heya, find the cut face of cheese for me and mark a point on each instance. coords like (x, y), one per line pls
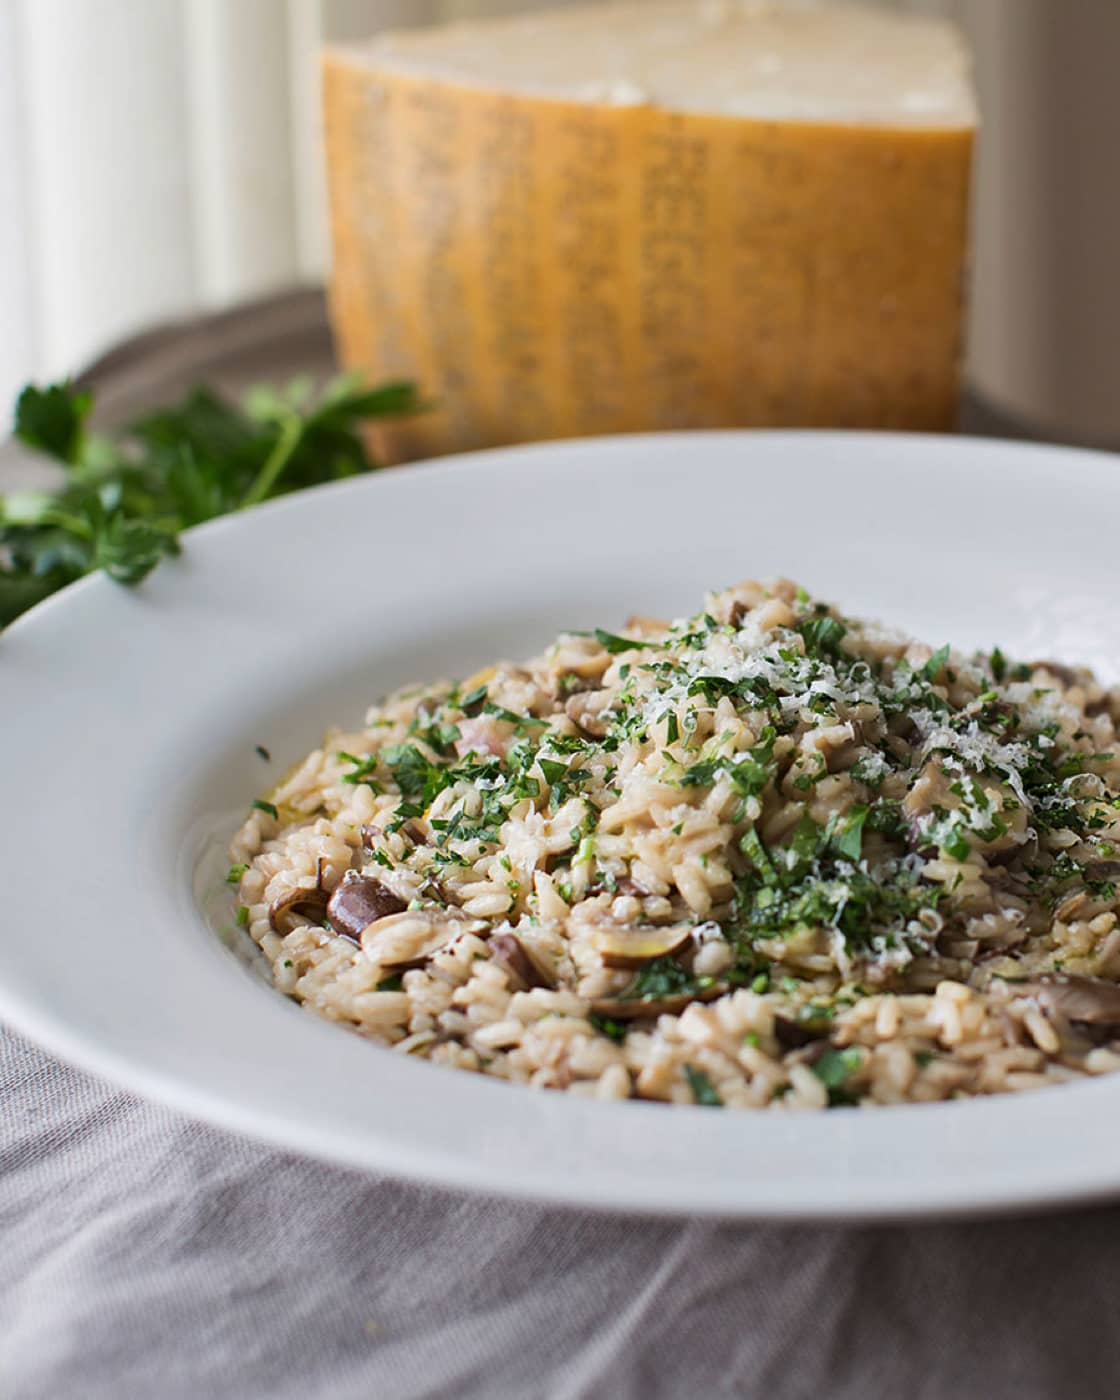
(737, 58)
(647, 216)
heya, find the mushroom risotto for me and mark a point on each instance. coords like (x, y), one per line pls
(768, 856)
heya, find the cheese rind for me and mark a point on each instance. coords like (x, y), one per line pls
(548, 266)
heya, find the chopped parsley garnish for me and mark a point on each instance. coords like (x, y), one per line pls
(473, 700)
(703, 1090)
(268, 808)
(849, 841)
(233, 877)
(663, 977)
(936, 664)
(822, 635)
(833, 1069)
(419, 779)
(613, 1030)
(613, 643)
(362, 768)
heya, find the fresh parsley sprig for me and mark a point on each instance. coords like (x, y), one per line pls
(122, 500)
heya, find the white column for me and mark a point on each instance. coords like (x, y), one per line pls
(19, 341)
(240, 147)
(105, 126)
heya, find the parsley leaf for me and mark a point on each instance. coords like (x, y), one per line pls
(703, 1090)
(613, 643)
(662, 977)
(419, 779)
(52, 420)
(936, 664)
(822, 635)
(833, 1068)
(849, 842)
(122, 500)
(613, 1030)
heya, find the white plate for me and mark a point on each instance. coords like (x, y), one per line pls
(129, 719)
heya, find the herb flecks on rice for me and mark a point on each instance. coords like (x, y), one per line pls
(766, 856)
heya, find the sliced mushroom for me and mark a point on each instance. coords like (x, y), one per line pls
(634, 1008)
(840, 757)
(358, 902)
(583, 658)
(408, 939)
(792, 1035)
(629, 886)
(310, 903)
(634, 947)
(930, 789)
(646, 626)
(811, 1051)
(507, 950)
(415, 832)
(1100, 872)
(1071, 906)
(1065, 675)
(568, 683)
(1089, 999)
(371, 835)
(1024, 853)
(586, 710)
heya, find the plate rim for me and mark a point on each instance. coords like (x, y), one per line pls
(78, 1049)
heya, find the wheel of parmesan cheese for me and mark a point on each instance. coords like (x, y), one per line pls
(649, 216)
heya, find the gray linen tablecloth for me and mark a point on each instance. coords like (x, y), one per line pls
(145, 1255)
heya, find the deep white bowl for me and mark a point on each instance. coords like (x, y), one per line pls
(128, 725)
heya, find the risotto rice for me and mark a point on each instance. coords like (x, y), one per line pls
(768, 856)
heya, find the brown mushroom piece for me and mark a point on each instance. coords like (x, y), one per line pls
(811, 1051)
(792, 1035)
(1066, 676)
(310, 903)
(1102, 872)
(411, 937)
(646, 626)
(629, 886)
(358, 902)
(585, 710)
(635, 1008)
(842, 755)
(930, 789)
(415, 832)
(508, 952)
(1090, 1000)
(634, 947)
(1024, 854)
